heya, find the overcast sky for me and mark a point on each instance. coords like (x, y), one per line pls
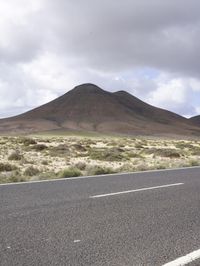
(149, 48)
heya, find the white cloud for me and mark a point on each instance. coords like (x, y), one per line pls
(175, 94)
(168, 92)
(148, 48)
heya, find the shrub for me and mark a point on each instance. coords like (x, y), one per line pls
(127, 167)
(142, 167)
(70, 172)
(45, 162)
(16, 178)
(80, 147)
(45, 176)
(27, 141)
(99, 170)
(39, 147)
(59, 150)
(45, 140)
(15, 156)
(184, 145)
(134, 155)
(196, 151)
(139, 146)
(31, 171)
(6, 167)
(170, 153)
(80, 165)
(161, 166)
(113, 154)
(194, 163)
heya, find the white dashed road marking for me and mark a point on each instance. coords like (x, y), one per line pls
(185, 259)
(77, 241)
(135, 190)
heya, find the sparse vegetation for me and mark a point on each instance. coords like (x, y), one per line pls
(99, 170)
(171, 153)
(194, 162)
(195, 151)
(111, 155)
(39, 147)
(6, 167)
(47, 157)
(31, 171)
(80, 165)
(15, 156)
(79, 147)
(59, 150)
(27, 141)
(45, 162)
(70, 172)
(16, 178)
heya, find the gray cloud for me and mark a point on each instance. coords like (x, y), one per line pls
(114, 36)
(47, 47)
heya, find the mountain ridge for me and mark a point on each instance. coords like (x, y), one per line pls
(88, 107)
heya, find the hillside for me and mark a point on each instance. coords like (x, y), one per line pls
(87, 107)
(195, 120)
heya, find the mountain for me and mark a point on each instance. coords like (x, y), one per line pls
(87, 107)
(195, 120)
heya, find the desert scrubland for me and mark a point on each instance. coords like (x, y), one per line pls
(29, 158)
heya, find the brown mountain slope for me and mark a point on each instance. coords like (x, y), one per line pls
(87, 107)
(195, 120)
(148, 111)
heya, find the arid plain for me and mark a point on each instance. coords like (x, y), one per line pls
(38, 157)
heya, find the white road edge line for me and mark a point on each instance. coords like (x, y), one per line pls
(185, 259)
(135, 190)
(97, 176)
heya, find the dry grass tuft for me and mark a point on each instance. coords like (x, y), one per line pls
(6, 167)
(15, 156)
(31, 171)
(70, 172)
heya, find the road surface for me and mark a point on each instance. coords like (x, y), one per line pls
(149, 218)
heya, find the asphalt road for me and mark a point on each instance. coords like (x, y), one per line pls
(72, 222)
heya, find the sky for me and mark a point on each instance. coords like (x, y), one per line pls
(148, 48)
